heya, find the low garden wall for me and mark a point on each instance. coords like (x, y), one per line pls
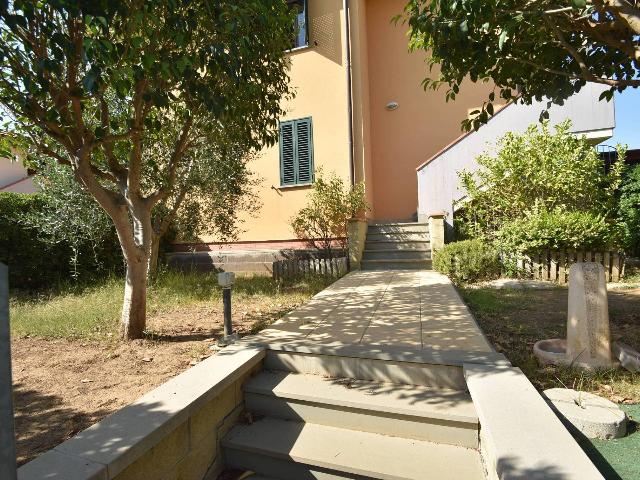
(171, 432)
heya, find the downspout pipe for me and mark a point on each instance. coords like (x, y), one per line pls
(347, 36)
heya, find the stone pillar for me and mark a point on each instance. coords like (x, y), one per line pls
(356, 236)
(588, 335)
(436, 230)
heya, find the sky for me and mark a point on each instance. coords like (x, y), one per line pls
(627, 105)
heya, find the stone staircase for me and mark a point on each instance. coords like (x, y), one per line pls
(397, 245)
(302, 424)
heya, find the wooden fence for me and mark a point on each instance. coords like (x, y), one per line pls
(303, 267)
(554, 264)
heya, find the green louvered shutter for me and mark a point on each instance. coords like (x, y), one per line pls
(296, 152)
(287, 154)
(304, 151)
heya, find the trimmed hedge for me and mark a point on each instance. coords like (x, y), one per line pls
(468, 261)
(34, 262)
(557, 230)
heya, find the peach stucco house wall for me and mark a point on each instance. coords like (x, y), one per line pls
(15, 178)
(387, 145)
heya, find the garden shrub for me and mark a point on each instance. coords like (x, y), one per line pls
(558, 230)
(323, 221)
(629, 210)
(35, 259)
(468, 261)
(538, 170)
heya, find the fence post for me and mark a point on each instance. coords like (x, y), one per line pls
(7, 433)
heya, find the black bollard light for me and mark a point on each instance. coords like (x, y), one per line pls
(226, 280)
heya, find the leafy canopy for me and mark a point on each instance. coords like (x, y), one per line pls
(530, 50)
(539, 170)
(155, 61)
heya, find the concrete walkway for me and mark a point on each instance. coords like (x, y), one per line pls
(413, 308)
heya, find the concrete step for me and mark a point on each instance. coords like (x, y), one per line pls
(398, 236)
(298, 451)
(415, 255)
(372, 364)
(396, 264)
(419, 245)
(398, 228)
(408, 411)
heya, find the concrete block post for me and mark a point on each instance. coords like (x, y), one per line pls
(7, 434)
(356, 236)
(436, 230)
(588, 333)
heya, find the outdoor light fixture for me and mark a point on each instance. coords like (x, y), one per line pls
(226, 280)
(391, 106)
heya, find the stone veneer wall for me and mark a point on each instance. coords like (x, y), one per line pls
(173, 432)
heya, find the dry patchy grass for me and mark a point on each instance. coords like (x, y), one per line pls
(514, 320)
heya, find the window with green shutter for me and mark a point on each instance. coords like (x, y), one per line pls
(296, 152)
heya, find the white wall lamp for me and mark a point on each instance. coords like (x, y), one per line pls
(391, 106)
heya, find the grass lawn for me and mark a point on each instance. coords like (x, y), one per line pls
(70, 369)
(514, 320)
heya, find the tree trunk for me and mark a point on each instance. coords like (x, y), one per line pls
(134, 307)
(153, 258)
(133, 225)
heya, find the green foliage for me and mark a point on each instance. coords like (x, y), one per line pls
(69, 216)
(468, 261)
(220, 185)
(331, 204)
(530, 50)
(160, 61)
(629, 210)
(535, 172)
(38, 259)
(556, 230)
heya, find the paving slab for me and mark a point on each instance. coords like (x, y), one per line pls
(400, 308)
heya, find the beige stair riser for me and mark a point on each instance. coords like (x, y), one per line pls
(398, 237)
(442, 376)
(396, 265)
(464, 434)
(411, 227)
(417, 245)
(281, 468)
(416, 255)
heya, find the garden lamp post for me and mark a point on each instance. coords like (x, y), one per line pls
(226, 280)
(7, 434)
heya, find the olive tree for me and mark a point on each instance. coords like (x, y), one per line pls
(529, 50)
(123, 92)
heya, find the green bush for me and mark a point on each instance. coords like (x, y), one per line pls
(540, 170)
(323, 221)
(468, 261)
(34, 260)
(557, 230)
(629, 210)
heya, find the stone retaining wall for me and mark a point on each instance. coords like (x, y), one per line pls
(173, 432)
